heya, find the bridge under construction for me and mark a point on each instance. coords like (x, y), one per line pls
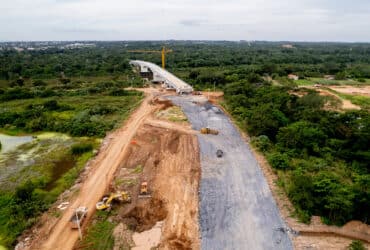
(160, 75)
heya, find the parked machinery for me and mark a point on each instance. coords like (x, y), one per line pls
(78, 217)
(106, 202)
(208, 131)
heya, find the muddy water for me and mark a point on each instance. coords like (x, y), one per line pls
(11, 142)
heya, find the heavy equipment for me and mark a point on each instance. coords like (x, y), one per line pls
(106, 202)
(208, 131)
(144, 188)
(163, 52)
(77, 217)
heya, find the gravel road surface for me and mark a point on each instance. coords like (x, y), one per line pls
(237, 210)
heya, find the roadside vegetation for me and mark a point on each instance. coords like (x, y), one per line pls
(321, 157)
(81, 110)
(100, 234)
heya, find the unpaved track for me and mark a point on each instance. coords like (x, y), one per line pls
(93, 188)
(237, 210)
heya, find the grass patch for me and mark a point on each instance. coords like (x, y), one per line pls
(81, 148)
(137, 170)
(126, 182)
(362, 101)
(324, 81)
(173, 114)
(30, 191)
(100, 234)
(304, 82)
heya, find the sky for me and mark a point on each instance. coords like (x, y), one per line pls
(275, 20)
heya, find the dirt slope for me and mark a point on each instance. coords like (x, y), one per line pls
(58, 235)
(169, 157)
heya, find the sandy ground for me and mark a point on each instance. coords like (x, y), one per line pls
(345, 105)
(56, 233)
(352, 90)
(148, 239)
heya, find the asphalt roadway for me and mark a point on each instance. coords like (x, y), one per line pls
(237, 209)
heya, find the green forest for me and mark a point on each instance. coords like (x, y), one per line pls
(67, 116)
(320, 155)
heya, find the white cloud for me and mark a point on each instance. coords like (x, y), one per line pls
(310, 20)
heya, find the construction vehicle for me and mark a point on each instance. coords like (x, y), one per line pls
(163, 52)
(78, 217)
(106, 202)
(144, 190)
(208, 131)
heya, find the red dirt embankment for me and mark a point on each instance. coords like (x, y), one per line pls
(170, 164)
(164, 154)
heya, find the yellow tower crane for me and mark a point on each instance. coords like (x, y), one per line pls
(164, 51)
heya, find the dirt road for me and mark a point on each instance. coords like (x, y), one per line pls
(352, 90)
(237, 210)
(60, 235)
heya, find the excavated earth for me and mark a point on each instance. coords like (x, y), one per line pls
(169, 161)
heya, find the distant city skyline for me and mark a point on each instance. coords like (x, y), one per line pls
(270, 20)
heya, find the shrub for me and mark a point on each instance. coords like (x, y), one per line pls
(361, 80)
(51, 105)
(262, 142)
(16, 93)
(81, 148)
(38, 83)
(278, 160)
(118, 92)
(356, 245)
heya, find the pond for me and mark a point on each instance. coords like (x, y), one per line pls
(11, 142)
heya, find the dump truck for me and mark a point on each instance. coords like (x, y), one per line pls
(208, 131)
(107, 200)
(78, 217)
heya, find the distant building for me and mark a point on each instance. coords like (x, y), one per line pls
(293, 77)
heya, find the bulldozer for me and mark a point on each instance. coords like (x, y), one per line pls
(208, 131)
(106, 202)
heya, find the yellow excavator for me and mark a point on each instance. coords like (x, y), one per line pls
(106, 202)
(208, 131)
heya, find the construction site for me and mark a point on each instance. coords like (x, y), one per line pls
(179, 174)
